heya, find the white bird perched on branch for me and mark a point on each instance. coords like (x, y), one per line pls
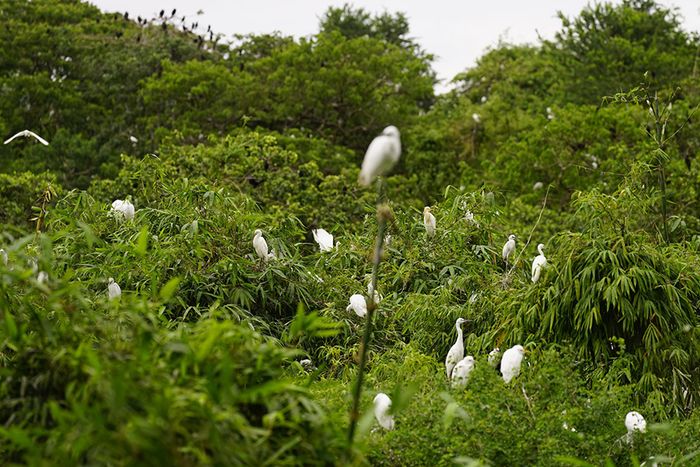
(28, 134)
(460, 374)
(323, 238)
(494, 357)
(123, 208)
(456, 352)
(382, 405)
(635, 422)
(538, 263)
(383, 152)
(508, 248)
(113, 289)
(358, 304)
(429, 221)
(260, 246)
(511, 361)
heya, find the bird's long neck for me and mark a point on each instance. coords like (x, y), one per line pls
(459, 334)
(539, 248)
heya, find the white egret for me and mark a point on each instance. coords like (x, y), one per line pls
(260, 246)
(323, 238)
(429, 221)
(3, 257)
(28, 134)
(508, 248)
(550, 114)
(113, 289)
(42, 277)
(460, 374)
(477, 118)
(537, 186)
(511, 361)
(456, 352)
(373, 293)
(484, 99)
(133, 139)
(307, 364)
(635, 422)
(382, 405)
(123, 208)
(383, 152)
(538, 263)
(494, 357)
(358, 304)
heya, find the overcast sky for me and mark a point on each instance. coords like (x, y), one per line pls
(456, 32)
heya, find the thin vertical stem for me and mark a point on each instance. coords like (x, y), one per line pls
(382, 218)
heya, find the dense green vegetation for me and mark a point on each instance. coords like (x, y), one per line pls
(586, 143)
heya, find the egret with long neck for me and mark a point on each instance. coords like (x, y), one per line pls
(538, 263)
(456, 352)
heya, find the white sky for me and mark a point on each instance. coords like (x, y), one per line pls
(456, 32)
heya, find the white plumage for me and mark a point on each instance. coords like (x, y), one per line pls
(476, 117)
(358, 304)
(382, 405)
(42, 277)
(3, 257)
(511, 361)
(28, 134)
(373, 293)
(113, 289)
(383, 152)
(494, 357)
(508, 248)
(123, 208)
(635, 422)
(460, 374)
(429, 221)
(456, 352)
(538, 263)
(323, 238)
(260, 246)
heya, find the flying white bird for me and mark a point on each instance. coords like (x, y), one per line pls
(382, 405)
(28, 134)
(494, 357)
(383, 152)
(460, 374)
(260, 246)
(42, 277)
(123, 208)
(510, 363)
(429, 221)
(635, 422)
(323, 238)
(113, 289)
(456, 352)
(538, 263)
(3, 257)
(358, 304)
(508, 248)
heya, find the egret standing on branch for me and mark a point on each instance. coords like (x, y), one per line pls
(429, 222)
(456, 352)
(508, 248)
(460, 374)
(358, 304)
(382, 405)
(511, 361)
(113, 289)
(260, 246)
(323, 238)
(538, 263)
(28, 134)
(383, 152)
